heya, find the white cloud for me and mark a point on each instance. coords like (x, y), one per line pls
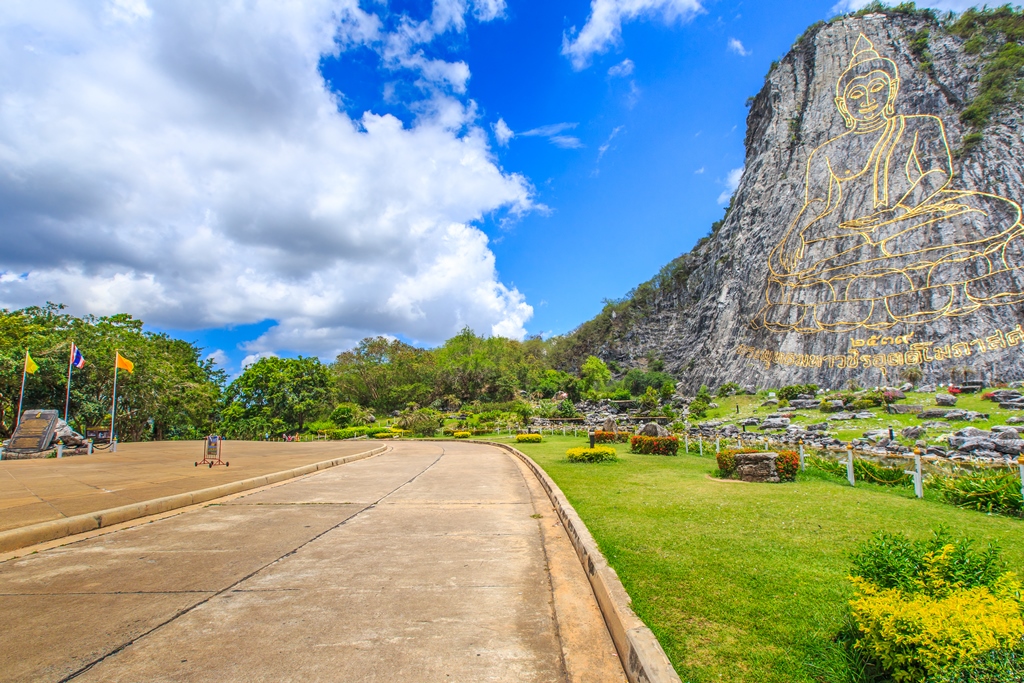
(699, 171)
(553, 132)
(622, 69)
(736, 46)
(844, 6)
(732, 181)
(184, 160)
(502, 133)
(608, 143)
(604, 25)
(548, 130)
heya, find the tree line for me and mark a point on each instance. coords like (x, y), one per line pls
(176, 393)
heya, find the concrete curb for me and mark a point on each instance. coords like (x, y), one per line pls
(13, 539)
(642, 656)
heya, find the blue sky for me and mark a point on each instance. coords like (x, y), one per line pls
(287, 178)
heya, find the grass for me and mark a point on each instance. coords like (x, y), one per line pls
(744, 582)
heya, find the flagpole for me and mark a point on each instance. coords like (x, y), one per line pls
(21, 398)
(67, 395)
(113, 403)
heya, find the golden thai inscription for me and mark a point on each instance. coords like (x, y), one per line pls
(884, 237)
(919, 353)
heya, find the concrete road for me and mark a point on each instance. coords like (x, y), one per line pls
(433, 562)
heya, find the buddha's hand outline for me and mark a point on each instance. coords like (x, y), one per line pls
(875, 220)
(791, 251)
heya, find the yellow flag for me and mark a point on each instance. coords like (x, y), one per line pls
(30, 365)
(123, 363)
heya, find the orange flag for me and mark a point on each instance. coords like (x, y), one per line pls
(123, 363)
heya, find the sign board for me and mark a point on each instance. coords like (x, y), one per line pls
(98, 434)
(35, 431)
(212, 447)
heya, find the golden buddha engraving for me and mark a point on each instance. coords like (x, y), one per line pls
(882, 237)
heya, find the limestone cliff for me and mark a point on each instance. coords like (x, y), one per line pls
(872, 228)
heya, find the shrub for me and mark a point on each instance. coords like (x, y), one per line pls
(387, 434)
(654, 445)
(566, 409)
(528, 438)
(351, 432)
(650, 400)
(726, 462)
(862, 404)
(610, 437)
(595, 454)
(422, 422)
(917, 636)
(790, 392)
(996, 666)
(880, 474)
(988, 396)
(987, 491)
(788, 464)
(923, 607)
(462, 435)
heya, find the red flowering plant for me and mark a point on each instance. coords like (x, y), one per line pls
(654, 445)
(788, 464)
(955, 390)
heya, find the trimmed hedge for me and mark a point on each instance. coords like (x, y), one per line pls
(595, 454)
(610, 437)
(462, 435)
(528, 438)
(654, 445)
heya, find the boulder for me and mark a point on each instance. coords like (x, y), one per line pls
(955, 415)
(1008, 446)
(864, 415)
(750, 422)
(818, 427)
(904, 409)
(968, 444)
(835, 404)
(67, 435)
(758, 467)
(974, 431)
(1014, 420)
(1004, 432)
(927, 389)
(770, 402)
(947, 400)
(775, 423)
(730, 430)
(907, 387)
(804, 403)
(1012, 405)
(933, 413)
(913, 432)
(609, 425)
(653, 429)
(843, 416)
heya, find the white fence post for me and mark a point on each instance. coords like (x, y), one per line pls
(686, 438)
(849, 466)
(701, 437)
(801, 456)
(718, 445)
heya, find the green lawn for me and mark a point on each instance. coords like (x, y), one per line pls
(743, 582)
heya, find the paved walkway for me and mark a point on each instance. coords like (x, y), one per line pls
(428, 563)
(33, 491)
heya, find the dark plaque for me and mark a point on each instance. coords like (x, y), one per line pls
(35, 432)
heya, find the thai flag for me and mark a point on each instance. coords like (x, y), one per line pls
(77, 359)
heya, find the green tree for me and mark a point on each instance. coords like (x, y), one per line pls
(594, 373)
(277, 395)
(649, 401)
(173, 393)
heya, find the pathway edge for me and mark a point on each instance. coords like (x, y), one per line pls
(41, 532)
(642, 657)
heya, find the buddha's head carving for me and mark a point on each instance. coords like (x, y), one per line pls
(866, 92)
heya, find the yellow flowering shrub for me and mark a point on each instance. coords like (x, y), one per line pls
(595, 454)
(528, 438)
(921, 631)
(462, 435)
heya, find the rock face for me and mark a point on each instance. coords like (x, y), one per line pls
(854, 245)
